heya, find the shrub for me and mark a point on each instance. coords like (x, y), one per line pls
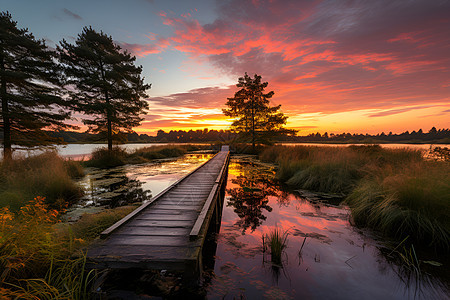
(74, 168)
(160, 152)
(102, 158)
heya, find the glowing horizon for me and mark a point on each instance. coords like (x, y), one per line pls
(335, 66)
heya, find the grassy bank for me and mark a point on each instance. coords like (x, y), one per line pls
(46, 174)
(43, 259)
(394, 191)
(102, 158)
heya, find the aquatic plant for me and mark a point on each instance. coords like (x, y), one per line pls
(277, 242)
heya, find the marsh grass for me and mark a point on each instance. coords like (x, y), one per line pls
(159, 152)
(332, 169)
(276, 241)
(102, 158)
(395, 191)
(411, 201)
(46, 174)
(41, 258)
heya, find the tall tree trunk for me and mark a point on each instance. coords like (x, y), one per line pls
(108, 122)
(7, 150)
(253, 123)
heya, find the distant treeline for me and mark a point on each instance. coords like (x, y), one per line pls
(174, 136)
(433, 136)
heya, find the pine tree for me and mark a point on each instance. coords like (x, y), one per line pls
(107, 86)
(29, 89)
(254, 117)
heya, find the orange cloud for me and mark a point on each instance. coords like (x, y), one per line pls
(350, 59)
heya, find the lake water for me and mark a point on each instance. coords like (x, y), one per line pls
(326, 257)
(80, 151)
(337, 260)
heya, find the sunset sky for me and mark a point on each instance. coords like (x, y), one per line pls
(335, 66)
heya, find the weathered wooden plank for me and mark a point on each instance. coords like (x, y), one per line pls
(153, 210)
(136, 240)
(191, 189)
(146, 230)
(189, 216)
(137, 254)
(177, 207)
(161, 223)
(189, 194)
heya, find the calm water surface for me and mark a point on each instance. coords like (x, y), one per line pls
(336, 261)
(106, 188)
(80, 151)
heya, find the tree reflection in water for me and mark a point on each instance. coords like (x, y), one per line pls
(251, 196)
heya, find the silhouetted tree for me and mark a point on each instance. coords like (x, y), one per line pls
(254, 115)
(29, 88)
(107, 85)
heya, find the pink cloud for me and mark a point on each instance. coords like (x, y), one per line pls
(322, 56)
(141, 50)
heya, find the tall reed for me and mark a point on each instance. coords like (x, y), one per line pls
(277, 242)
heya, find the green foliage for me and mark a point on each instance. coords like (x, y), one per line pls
(30, 90)
(46, 174)
(254, 117)
(108, 85)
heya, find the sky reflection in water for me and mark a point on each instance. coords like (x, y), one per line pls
(130, 183)
(337, 261)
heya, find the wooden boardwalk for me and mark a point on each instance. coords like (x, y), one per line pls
(168, 232)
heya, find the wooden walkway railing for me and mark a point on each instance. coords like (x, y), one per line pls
(167, 232)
